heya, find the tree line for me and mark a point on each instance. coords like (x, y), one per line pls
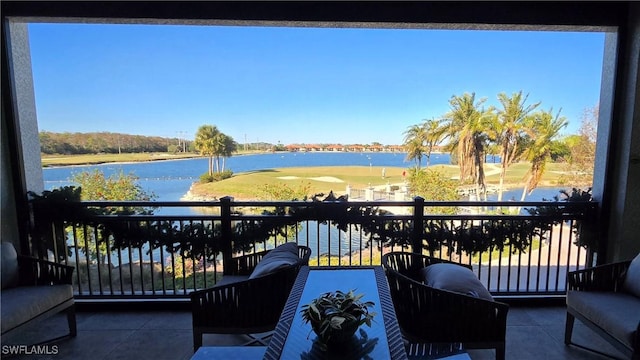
(516, 131)
(67, 143)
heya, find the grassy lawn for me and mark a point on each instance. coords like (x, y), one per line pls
(248, 185)
(368, 258)
(92, 159)
(496, 254)
(212, 278)
(516, 174)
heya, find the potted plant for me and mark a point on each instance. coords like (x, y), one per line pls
(336, 316)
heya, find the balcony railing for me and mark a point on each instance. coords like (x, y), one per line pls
(167, 249)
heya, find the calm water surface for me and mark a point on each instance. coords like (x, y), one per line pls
(171, 179)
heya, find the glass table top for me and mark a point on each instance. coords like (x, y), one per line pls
(367, 343)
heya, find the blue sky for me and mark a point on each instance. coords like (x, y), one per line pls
(296, 85)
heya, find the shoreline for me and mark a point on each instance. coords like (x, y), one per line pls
(190, 196)
(355, 177)
(161, 157)
(106, 162)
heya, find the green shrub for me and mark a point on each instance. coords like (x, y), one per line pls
(433, 185)
(222, 175)
(206, 178)
(281, 191)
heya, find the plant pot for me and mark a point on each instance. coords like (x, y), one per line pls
(335, 337)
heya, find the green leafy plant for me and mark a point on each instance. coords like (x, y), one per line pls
(585, 230)
(51, 210)
(282, 191)
(335, 316)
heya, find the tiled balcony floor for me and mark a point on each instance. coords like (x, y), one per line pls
(533, 333)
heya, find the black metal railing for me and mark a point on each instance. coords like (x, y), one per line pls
(167, 249)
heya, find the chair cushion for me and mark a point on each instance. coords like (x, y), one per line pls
(231, 279)
(9, 265)
(278, 258)
(454, 278)
(23, 303)
(632, 279)
(617, 313)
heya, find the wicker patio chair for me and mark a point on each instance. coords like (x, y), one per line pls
(244, 305)
(606, 298)
(428, 315)
(34, 290)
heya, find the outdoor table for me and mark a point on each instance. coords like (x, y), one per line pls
(293, 339)
(229, 352)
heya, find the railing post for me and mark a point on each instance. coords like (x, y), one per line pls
(369, 194)
(226, 232)
(418, 217)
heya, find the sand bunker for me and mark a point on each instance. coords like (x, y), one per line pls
(327, 179)
(330, 179)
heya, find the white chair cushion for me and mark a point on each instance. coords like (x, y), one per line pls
(278, 258)
(616, 313)
(632, 279)
(23, 303)
(454, 278)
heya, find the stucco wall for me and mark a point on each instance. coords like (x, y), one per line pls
(8, 217)
(26, 106)
(28, 163)
(622, 212)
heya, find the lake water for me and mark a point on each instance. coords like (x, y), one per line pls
(170, 180)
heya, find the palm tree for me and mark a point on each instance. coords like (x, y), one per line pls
(467, 127)
(545, 128)
(434, 134)
(510, 128)
(414, 143)
(206, 143)
(229, 146)
(218, 148)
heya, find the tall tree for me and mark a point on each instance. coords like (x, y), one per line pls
(467, 128)
(546, 129)
(511, 129)
(434, 133)
(206, 142)
(218, 148)
(414, 143)
(582, 148)
(229, 146)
